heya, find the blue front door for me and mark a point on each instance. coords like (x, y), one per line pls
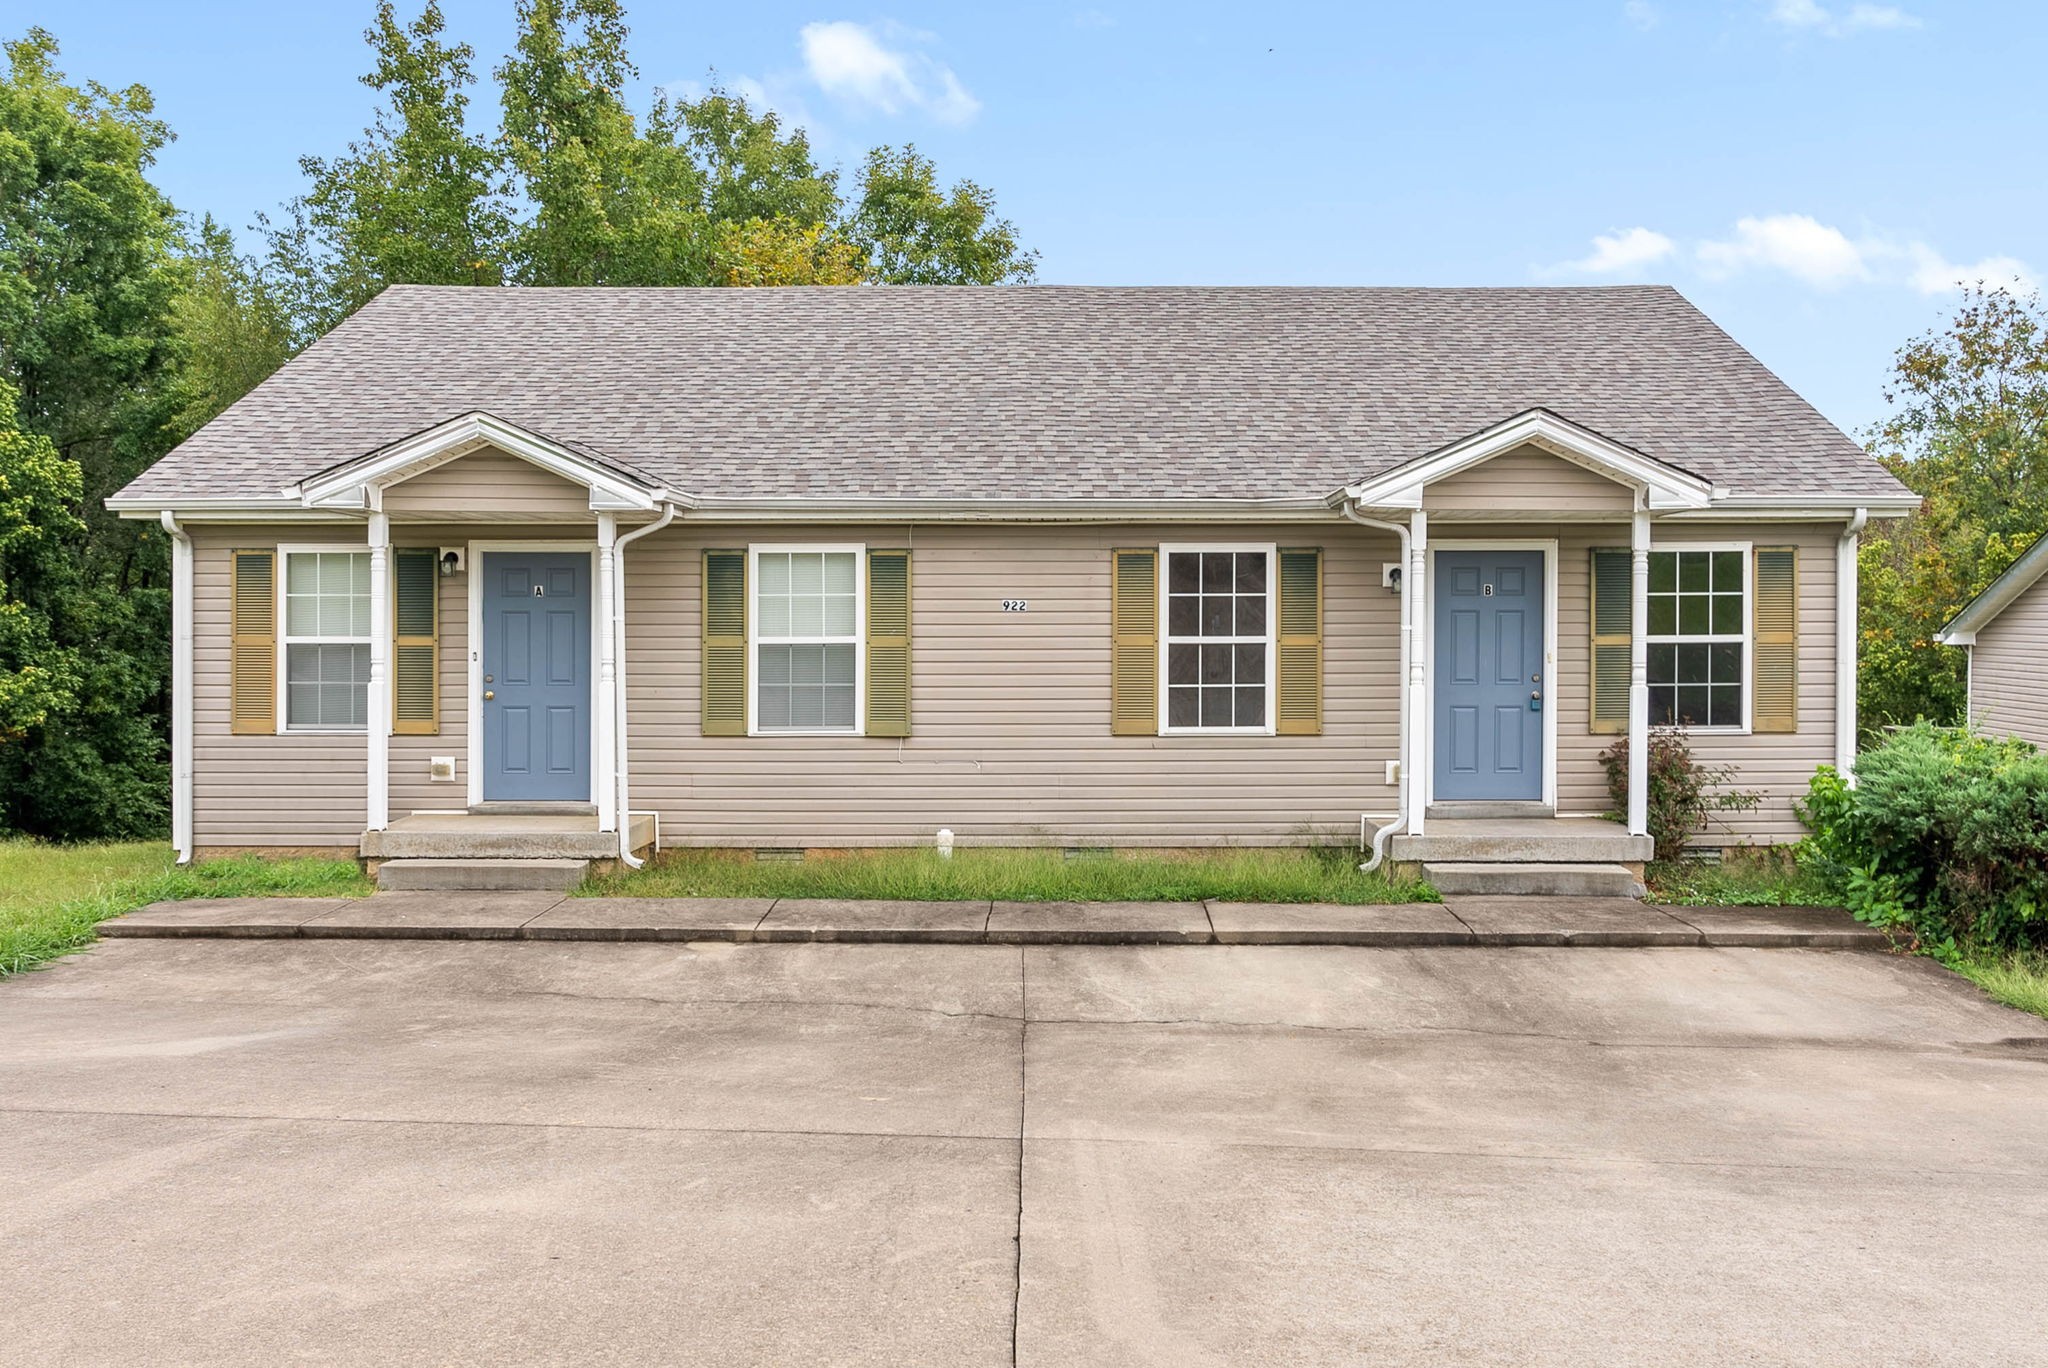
(535, 709)
(1490, 689)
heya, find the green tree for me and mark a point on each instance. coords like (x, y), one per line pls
(570, 138)
(1970, 435)
(235, 329)
(89, 351)
(416, 200)
(914, 233)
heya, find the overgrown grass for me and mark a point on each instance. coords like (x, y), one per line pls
(1319, 874)
(1741, 878)
(52, 896)
(2016, 978)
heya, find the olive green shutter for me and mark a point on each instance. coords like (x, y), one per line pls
(1611, 575)
(252, 631)
(1774, 673)
(416, 642)
(725, 643)
(888, 700)
(1134, 642)
(1299, 708)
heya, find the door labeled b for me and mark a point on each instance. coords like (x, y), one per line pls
(534, 703)
(1490, 678)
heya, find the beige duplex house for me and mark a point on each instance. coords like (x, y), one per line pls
(1076, 567)
(2004, 630)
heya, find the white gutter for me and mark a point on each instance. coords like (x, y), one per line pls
(181, 687)
(1385, 834)
(1845, 645)
(617, 606)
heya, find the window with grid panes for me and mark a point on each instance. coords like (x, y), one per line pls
(1218, 639)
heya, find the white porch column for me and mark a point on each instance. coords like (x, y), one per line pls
(1415, 768)
(379, 776)
(1639, 679)
(603, 749)
(1846, 637)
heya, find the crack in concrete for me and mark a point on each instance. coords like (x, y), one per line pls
(1133, 1142)
(1023, 1127)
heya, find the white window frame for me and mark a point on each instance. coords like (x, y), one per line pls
(859, 551)
(285, 641)
(1748, 628)
(1271, 640)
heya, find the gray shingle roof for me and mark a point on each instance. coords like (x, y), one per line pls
(1024, 392)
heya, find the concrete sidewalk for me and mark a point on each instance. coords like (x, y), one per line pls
(1469, 921)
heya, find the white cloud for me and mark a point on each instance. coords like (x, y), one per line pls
(1809, 16)
(1803, 248)
(1800, 246)
(852, 63)
(1641, 15)
(1094, 19)
(1628, 249)
(1932, 274)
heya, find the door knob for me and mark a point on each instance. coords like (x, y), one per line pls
(488, 694)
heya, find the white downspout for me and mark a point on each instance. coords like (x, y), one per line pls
(181, 686)
(1385, 834)
(618, 609)
(1846, 573)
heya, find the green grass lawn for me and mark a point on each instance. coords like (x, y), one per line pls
(2016, 978)
(51, 896)
(1021, 875)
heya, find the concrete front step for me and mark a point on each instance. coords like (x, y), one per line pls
(500, 836)
(1535, 877)
(1568, 840)
(428, 875)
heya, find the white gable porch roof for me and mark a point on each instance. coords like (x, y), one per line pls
(359, 483)
(1663, 487)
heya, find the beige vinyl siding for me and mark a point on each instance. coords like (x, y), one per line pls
(1531, 480)
(488, 486)
(1779, 765)
(1010, 711)
(290, 790)
(2009, 669)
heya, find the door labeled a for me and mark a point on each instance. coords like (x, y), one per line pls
(535, 703)
(1489, 676)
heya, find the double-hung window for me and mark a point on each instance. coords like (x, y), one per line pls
(807, 639)
(1218, 643)
(1698, 642)
(325, 681)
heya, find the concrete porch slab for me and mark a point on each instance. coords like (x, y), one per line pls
(1121, 923)
(435, 916)
(819, 919)
(1570, 921)
(233, 917)
(1336, 924)
(649, 919)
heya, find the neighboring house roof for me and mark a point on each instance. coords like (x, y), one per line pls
(1023, 392)
(1977, 614)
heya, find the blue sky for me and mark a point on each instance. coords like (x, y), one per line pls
(1813, 173)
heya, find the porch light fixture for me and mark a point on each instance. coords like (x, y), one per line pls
(451, 562)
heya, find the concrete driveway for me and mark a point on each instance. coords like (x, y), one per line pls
(429, 1152)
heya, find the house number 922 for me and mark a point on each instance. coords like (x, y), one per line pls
(1016, 605)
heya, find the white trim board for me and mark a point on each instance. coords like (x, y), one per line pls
(1427, 723)
(473, 639)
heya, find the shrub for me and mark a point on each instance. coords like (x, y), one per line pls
(1684, 794)
(1945, 836)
